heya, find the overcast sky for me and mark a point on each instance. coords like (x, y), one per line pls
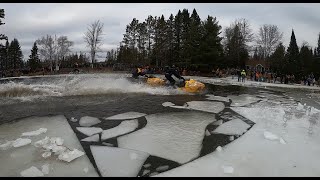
(28, 22)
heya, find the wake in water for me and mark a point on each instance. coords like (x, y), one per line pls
(71, 85)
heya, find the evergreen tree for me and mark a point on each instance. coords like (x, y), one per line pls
(15, 55)
(292, 57)
(318, 48)
(277, 59)
(34, 61)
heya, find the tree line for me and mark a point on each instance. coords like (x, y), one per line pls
(183, 39)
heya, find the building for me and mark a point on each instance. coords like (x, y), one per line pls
(259, 65)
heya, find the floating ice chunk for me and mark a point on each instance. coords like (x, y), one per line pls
(94, 138)
(45, 169)
(243, 99)
(89, 131)
(219, 148)
(85, 170)
(21, 142)
(282, 141)
(217, 123)
(123, 128)
(73, 119)
(126, 167)
(127, 115)
(147, 165)
(231, 138)
(88, 121)
(35, 133)
(207, 106)
(207, 133)
(217, 98)
(68, 155)
(165, 104)
(227, 169)
(57, 140)
(58, 149)
(154, 173)
(6, 145)
(270, 136)
(300, 107)
(233, 127)
(31, 172)
(42, 142)
(166, 132)
(162, 168)
(147, 171)
(46, 154)
(107, 144)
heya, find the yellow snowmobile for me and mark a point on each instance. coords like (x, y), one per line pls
(191, 86)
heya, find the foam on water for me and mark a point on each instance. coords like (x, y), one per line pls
(69, 85)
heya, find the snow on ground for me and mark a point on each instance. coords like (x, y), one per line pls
(15, 160)
(35, 133)
(88, 121)
(175, 136)
(89, 131)
(255, 155)
(206, 106)
(127, 115)
(248, 83)
(217, 98)
(233, 127)
(118, 162)
(123, 128)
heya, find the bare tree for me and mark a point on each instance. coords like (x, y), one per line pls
(268, 38)
(54, 49)
(93, 38)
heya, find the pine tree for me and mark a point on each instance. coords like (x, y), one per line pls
(292, 56)
(15, 55)
(318, 48)
(34, 61)
(277, 59)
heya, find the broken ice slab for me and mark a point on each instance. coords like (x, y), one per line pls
(69, 156)
(94, 138)
(162, 168)
(127, 115)
(89, 131)
(217, 98)
(35, 133)
(6, 145)
(21, 142)
(88, 121)
(154, 173)
(233, 127)
(123, 128)
(219, 148)
(165, 104)
(270, 136)
(107, 144)
(217, 123)
(207, 106)
(145, 172)
(31, 172)
(46, 154)
(126, 166)
(227, 169)
(45, 169)
(147, 165)
(207, 133)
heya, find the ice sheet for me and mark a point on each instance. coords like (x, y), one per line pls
(117, 162)
(175, 136)
(123, 128)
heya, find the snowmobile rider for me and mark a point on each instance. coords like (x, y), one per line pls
(139, 71)
(174, 71)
